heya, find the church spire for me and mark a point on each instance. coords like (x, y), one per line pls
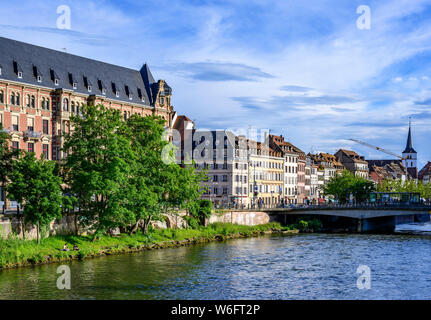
(409, 145)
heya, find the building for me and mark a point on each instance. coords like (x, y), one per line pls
(425, 173)
(291, 158)
(410, 156)
(312, 187)
(301, 175)
(41, 88)
(380, 170)
(266, 174)
(353, 162)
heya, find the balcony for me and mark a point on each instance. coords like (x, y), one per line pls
(32, 135)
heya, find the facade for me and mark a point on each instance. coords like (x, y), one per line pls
(41, 88)
(353, 162)
(312, 187)
(301, 176)
(266, 175)
(425, 173)
(291, 158)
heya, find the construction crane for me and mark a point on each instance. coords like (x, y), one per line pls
(384, 151)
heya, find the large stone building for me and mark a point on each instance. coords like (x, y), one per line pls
(41, 88)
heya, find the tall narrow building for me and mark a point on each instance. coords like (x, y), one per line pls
(410, 156)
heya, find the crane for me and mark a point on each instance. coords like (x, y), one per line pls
(384, 151)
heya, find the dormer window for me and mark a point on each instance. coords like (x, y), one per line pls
(128, 92)
(39, 79)
(55, 77)
(102, 87)
(115, 90)
(87, 84)
(117, 93)
(1, 70)
(17, 69)
(75, 85)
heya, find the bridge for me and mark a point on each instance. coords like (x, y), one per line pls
(355, 218)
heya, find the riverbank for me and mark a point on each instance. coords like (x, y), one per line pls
(19, 253)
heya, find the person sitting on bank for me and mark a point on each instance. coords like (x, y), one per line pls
(75, 248)
(65, 248)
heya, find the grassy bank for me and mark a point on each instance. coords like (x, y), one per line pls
(17, 252)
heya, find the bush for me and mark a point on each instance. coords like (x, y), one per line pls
(198, 212)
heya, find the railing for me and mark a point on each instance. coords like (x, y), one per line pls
(32, 134)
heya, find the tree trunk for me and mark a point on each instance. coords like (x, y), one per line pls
(22, 227)
(134, 228)
(146, 224)
(38, 233)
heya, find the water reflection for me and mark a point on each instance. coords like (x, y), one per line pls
(308, 266)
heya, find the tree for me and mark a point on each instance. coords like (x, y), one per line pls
(6, 160)
(96, 168)
(157, 185)
(36, 185)
(198, 211)
(341, 186)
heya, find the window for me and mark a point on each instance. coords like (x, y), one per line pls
(65, 104)
(30, 124)
(89, 88)
(215, 178)
(56, 82)
(39, 79)
(103, 91)
(30, 147)
(15, 121)
(15, 145)
(117, 93)
(45, 126)
(1, 96)
(72, 107)
(12, 98)
(33, 102)
(74, 85)
(20, 74)
(215, 166)
(225, 178)
(224, 190)
(45, 149)
(215, 191)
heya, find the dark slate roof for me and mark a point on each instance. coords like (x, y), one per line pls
(409, 144)
(33, 60)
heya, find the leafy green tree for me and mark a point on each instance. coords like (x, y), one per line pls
(96, 168)
(198, 211)
(157, 185)
(6, 160)
(341, 186)
(36, 185)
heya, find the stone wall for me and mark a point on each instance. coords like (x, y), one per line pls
(10, 224)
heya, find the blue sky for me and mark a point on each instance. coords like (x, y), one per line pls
(300, 68)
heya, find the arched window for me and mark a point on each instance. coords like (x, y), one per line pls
(12, 98)
(27, 101)
(17, 99)
(65, 104)
(1, 96)
(72, 107)
(47, 104)
(77, 109)
(33, 102)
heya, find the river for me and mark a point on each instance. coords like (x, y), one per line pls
(304, 266)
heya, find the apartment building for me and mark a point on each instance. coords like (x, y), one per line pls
(353, 162)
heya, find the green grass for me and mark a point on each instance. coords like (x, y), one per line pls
(16, 252)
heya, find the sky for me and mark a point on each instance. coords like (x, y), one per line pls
(303, 69)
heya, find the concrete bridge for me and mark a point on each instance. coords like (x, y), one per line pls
(355, 218)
